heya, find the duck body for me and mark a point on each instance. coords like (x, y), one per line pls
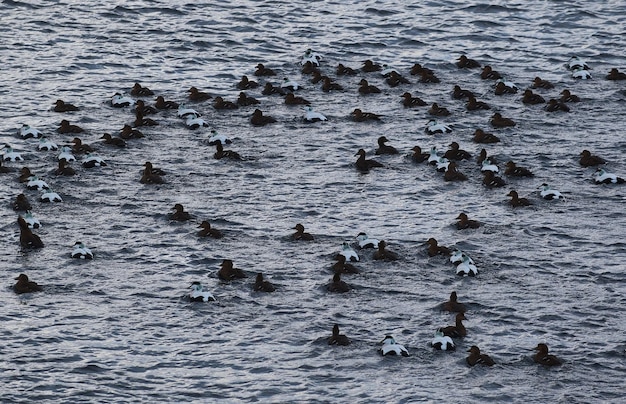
(391, 347)
(81, 251)
(120, 101)
(337, 285)
(312, 116)
(11, 155)
(550, 194)
(455, 331)
(601, 176)
(476, 358)
(349, 253)
(27, 238)
(453, 305)
(31, 220)
(364, 165)
(261, 285)
(442, 342)
(337, 338)
(466, 267)
(542, 356)
(34, 183)
(366, 241)
(50, 196)
(384, 148)
(46, 144)
(24, 285)
(199, 294)
(228, 272)
(434, 127)
(208, 231)
(28, 132)
(91, 161)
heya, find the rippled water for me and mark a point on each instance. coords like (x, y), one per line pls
(118, 329)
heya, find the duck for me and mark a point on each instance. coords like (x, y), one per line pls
(442, 342)
(581, 74)
(220, 153)
(309, 68)
(542, 356)
(50, 196)
(348, 252)
(246, 84)
(457, 257)
(150, 177)
(366, 88)
(64, 168)
(300, 234)
(513, 170)
(418, 156)
(258, 119)
(482, 156)
(342, 70)
(311, 56)
(383, 148)
(208, 231)
(337, 285)
(480, 136)
(458, 93)
(261, 285)
(91, 160)
(498, 121)
(143, 109)
(576, 62)
(409, 101)
(193, 123)
(516, 201)
(161, 103)
(312, 116)
(290, 84)
(370, 66)
(590, 160)
(150, 168)
(387, 70)
(555, 105)
(140, 120)
(436, 110)
(601, 176)
(395, 79)
(113, 141)
(261, 70)
(538, 82)
(364, 165)
(463, 62)
(391, 347)
(433, 127)
(442, 165)
(244, 100)
(466, 267)
(465, 223)
(365, 241)
(491, 180)
(28, 132)
(66, 154)
(428, 77)
(199, 294)
(292, 99)
(218, 138)
(435, 249)
(120, 101)
(28, 239)
(270, 89)
(81, 251)
(455, 153)
(35, 183)
(474, 105)
(185, 112)
(532, 98)
(502, 89)
(228, 272)
(338, 339)
(567, 96)
(452, 305)
(21, 203)
(360, 116)
(25, 174)
(46, 144)
(179, 214)
(10, 155)
(477, 358)
(66, 127)
(417, 69)
(615, 74)
(343, 267)
(31, 220)
(458, 330)
(220, 103)
(138, 91)
(549, 194)
(453, 174)
(489, 74)
(80, 147)
(328, 85)
(197, 95)
(128, 132)
(433, 156)
(383, 254)
(24, 285)
(62, 106)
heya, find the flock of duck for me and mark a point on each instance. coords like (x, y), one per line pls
(447, 163)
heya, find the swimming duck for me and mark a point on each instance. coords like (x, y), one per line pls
(261, 285)
(141, 120)
(27, 132)
(516, 201)
(317, 76)
(489, 74)
(540, 83)
(193, 123)
(589, 160)
(453, 305)
(576, 62)
(114, 141)
(383, 254)
(228, 272)
(501, 88)
(491, 180)
(270, 89)
(311, 56)
(433, 127)
(391, 347)
(220, 103)
(81, 251)
(35, 183)
(309, 68)
(442, 342)
(150, 177)
(555, 105)
(343, 267)
(80, 147)
(366, 241)
(245, 83)
(418, 156)
(476, 358)
(62, 106)
(366, 88)
(290, 84)
(46, 144)
(433, 156)
(143, 109)
(337, 285)
(436, 110)
(567, 96)
(481, 136)
(244, 100)
(474, 105)
(498, 121)
(208, 231)
(199, 294)
(463, 62)
(21, 203)
(457, 257)
(344, 70)
(328, 85)
(258, 119)
(120, 101)
(218, 138)
(458, 330)
(220, 153)
(128, 132)
(179, 214)
(383, 148)
(292, 99)
(91, 160)
(581, 74)
(455, 153)
(184, 112)
(543, 358)
(160, 103)
(10, 155)
(514, 171)
(138, 91)
(150, 168)
(362, 164)
(386, 70)
(31, 220)
(50, 196)
(395, 79)
(261, 70)
(466, 267)
(24, 285)
(548, 193)
(426, 77)
(615, 74)
(25, 174)
(443, 164)
(338, 339)
(409, 101)
(312, 116)
(300, 234)
(66, 154)
(348, 252)
(66, 127)
(532, 98)
(458, 93)
(482, 156)
(435, 249)
(369, 66)
(453, 173)
(197, 95)
(27, 238)
(601, 176)
(465, 223)
(360, 116)
(418, 69)
(64, 168)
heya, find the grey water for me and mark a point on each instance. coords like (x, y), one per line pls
(119, 329)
